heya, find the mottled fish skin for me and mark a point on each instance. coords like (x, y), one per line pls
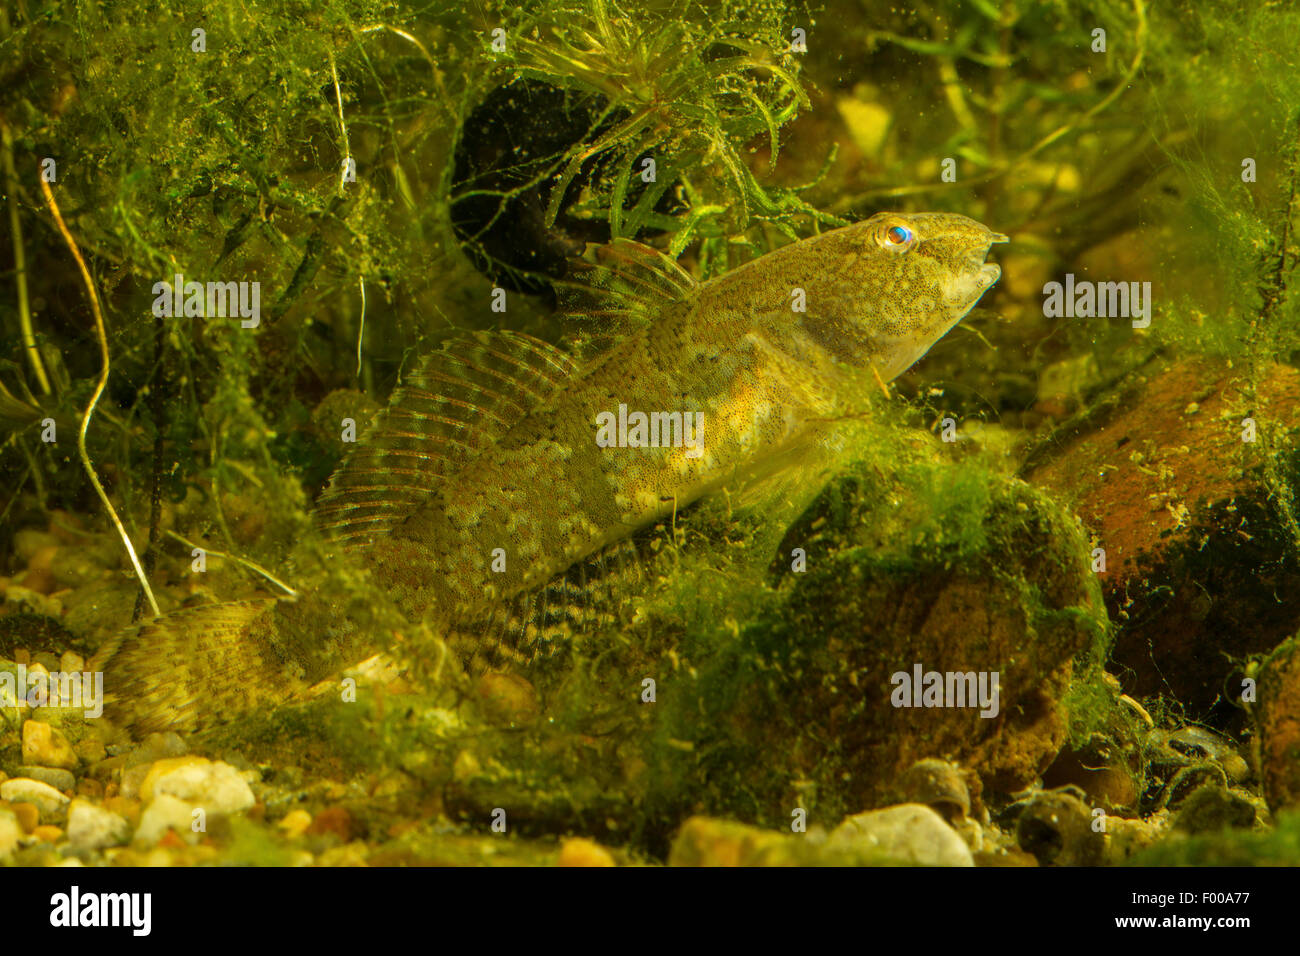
(765, 376)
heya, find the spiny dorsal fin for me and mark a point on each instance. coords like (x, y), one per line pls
(630, 281)
(444, 413)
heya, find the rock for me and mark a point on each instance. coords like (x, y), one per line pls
(1277, 723)
(29, 542)
(166, 813)
(960, 573)
(155, 747)
(335, 820)
(45, 746)
(216, 787)
(910, 833)
(29, 817)
(295, 823)
(49, 802)
(938, 785)
(1127, 837)
(1215, 807)
(577, 851)
(91, 827)
(1200, 569)
(507, 699)
(47, 833)
(58, 779)
(706, 841)
(11, 832)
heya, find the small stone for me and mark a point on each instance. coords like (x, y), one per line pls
(295, 823)
(45, 746)
(47, 833)
(49, 802)
(93, 828)
(58, 779)
(90, 749)
(910, 833)
(72, 663)
(216, 787)
(28, 816)
(939, 785)
(580, 852)
(11, 832)
(29, 542)
(334, 820)
(508, 700)
(163, 814)
(157, 747)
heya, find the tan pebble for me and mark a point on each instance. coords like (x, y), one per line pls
(124, 807)
(90, 749)
(581, 852)
(28, 816)
(40, 580)
(71, 662)
(295, 823)
(45, 746)
(43, 558)
(47, 833)
(508, 699)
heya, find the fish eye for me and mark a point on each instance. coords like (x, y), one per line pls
(895, 236)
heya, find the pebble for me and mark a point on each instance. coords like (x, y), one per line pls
(58, 779)
(508, 700)
(47, 833)
(577, 851)
(166, 813)
(11, 832)
(909, 833)
(49, 802)
(334, 820)
(216, 787)
(91, 827)
(28, 542)
(295, 823)
(28, 816)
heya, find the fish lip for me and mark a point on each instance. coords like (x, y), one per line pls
(991, 272)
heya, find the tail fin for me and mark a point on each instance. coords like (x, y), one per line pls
(201, 666)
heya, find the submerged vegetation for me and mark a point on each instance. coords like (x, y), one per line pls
(1101, 507)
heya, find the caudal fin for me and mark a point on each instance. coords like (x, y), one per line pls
(199, 666)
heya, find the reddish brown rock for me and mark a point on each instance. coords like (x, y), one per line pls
(1199, 562)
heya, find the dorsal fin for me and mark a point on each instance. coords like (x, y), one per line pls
(455, 402)
(629, 280)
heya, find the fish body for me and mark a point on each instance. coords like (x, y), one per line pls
(485, 479)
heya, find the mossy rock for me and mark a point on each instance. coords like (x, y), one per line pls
(954, 569)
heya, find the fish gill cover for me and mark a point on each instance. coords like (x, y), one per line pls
(749, 432)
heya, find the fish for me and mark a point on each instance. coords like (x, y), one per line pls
(483, 479)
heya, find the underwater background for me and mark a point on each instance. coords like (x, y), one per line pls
(1085, 490)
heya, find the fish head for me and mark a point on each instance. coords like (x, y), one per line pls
(915, 276)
